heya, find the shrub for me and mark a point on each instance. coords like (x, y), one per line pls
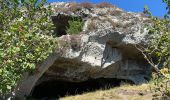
(157, 51)
(75, 26)
(160, 85)
(25, 39)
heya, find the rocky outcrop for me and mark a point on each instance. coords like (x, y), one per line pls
(104, 49)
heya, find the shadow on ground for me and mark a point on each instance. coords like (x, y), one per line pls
(57, 88)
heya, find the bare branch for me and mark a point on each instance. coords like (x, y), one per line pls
(155, 67)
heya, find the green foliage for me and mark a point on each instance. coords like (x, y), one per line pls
(160, 87)
(159, 41)
(157, 52)
(25, 39)
(168, 7)
(146, 10)
(75, 26)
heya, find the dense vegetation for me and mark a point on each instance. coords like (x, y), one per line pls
(157, 52)
(75, 26)
(25, 39)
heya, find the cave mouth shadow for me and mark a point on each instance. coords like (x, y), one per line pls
(61, 23)
(57, 88)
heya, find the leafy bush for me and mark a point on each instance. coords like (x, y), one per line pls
(25, 39)
(160, 86)
(157, 52)
(75, 26)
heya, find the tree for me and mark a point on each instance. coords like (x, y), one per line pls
(25, 39)
(156, 52)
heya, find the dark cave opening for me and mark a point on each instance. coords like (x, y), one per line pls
(57, 88)
(61, 23)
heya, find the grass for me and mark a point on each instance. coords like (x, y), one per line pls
(125, 92)
(104, 4)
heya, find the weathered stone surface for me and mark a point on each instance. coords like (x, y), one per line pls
(104, 49)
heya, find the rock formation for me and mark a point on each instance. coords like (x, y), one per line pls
(104, 49)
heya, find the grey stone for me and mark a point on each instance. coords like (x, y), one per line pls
(107, 51)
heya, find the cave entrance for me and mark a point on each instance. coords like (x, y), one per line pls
(61, 23)
(57, 88)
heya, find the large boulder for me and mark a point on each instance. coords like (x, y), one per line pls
(104, 49)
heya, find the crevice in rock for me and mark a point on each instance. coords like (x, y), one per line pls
(61, 23)
(59, 88)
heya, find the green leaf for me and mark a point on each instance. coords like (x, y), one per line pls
(35, 1)
(0, 71)
(9, 87)
(22, 1)
(24, 43)
(16, 1)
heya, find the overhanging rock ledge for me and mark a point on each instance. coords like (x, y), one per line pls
(104, 49)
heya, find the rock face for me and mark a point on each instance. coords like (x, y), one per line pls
(104, 49)
(106, 46)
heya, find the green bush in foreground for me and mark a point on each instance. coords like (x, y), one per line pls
(157, 53)
(25, 39)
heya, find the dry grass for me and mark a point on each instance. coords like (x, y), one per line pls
(91, 26)
(104, 4)
(125, 92)
(116, 13)
(86, 5)
(114, 24)
(73, 7)
(136, 87)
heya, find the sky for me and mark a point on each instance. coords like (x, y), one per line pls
(156, 6)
